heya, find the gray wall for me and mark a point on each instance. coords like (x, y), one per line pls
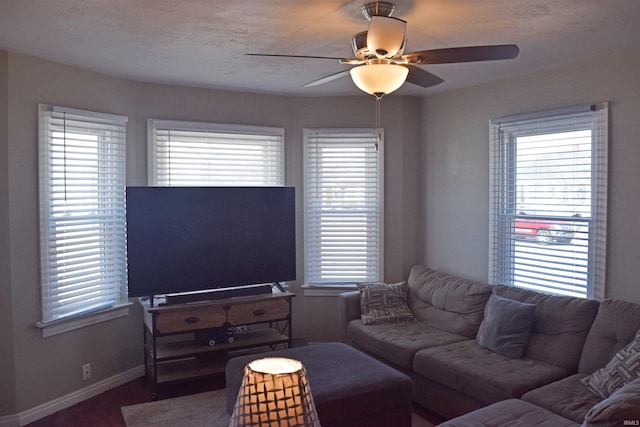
(37, 370)
(456, 163)
(7, 376)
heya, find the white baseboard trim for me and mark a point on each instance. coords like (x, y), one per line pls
(41, 411)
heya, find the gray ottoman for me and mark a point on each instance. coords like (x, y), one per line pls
(349, 388)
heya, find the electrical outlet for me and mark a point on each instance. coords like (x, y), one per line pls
(86, 371)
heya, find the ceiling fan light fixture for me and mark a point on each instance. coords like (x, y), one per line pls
(379, 79)
(385, 36)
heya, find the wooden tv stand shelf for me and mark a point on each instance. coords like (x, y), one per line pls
(172, 351)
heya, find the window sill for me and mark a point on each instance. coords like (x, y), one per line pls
(88, 319)
(327, 290)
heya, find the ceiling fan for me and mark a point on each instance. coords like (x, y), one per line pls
(380, 64)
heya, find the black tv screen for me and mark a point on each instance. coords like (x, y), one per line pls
(182, 239)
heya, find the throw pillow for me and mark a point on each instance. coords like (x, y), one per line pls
(384, 303)
(622, 369)
(506, 326)
(623, 405)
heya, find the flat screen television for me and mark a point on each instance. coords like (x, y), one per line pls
(186, 239)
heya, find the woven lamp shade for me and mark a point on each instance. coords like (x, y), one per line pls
(274, 392)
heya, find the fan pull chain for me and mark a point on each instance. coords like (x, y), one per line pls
(378, 130)
(169, 159)
(64, 153)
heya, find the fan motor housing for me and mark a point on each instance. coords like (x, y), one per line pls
(378, 8)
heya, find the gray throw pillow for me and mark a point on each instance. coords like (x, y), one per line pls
(384, 303)
(506, 326)
(623, 405)
(623, 368)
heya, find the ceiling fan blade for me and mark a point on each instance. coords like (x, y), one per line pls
(328, 78)
(423, 78)
(463, 54)
(294, 56)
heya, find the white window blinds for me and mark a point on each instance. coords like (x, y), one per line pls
(549, 201)
(82, 212)
(203, 154)
(343, 206)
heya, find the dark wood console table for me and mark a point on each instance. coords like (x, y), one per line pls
(173, 353)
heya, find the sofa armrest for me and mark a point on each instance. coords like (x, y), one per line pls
(349, 307)
(622, 405)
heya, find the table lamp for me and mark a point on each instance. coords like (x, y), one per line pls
(274, 392)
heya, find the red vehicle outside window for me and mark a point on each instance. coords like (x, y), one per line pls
(543, 230)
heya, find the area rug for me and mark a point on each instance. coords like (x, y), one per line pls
(196, 410)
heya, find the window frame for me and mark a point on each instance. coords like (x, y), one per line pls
(115, 252)
(503, 134)
(376, 139)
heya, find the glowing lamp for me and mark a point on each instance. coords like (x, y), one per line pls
(379, 79)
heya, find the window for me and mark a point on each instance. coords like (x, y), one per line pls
(207, 154)
(549, 201)
(82, 215)
(343, 206)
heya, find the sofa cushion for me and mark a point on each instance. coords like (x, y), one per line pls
(384, 303)
(512, 413)
(566, 397)
(560, 325)
(447, 302)
(615, 326)
(506, 326)
(398, 342)
(623, 368)
(623, 405)
(482, 374)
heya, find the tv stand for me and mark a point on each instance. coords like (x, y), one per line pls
(173, 352)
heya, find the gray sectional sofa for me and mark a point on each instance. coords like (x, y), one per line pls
(453, 375)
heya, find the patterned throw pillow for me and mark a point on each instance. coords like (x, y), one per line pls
(384, 303)
(621, 370)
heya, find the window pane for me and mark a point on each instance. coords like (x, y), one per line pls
(342, 206)
(82, 209)
(545, 204)
(553, 184)
(193, 154)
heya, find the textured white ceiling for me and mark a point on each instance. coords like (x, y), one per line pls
(203, 43)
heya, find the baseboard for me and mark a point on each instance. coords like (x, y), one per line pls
(41, 411)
